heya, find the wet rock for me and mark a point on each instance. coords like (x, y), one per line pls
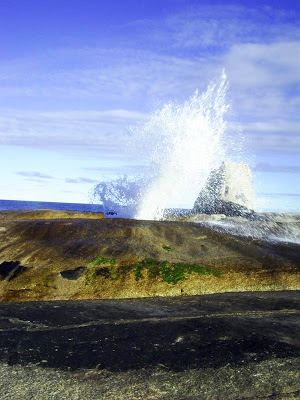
(228, 191)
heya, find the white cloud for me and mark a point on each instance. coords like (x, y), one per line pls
(275, 143)
(276, 126)
(264, 88)
(34, 174)
(265, 167)
(101, 131)
(132, 76)
(264, 65)
(202, 27)
(80, 180)
(259, 47)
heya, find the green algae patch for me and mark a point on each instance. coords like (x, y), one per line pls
(90, 277)
(102, 260)
(170, 272)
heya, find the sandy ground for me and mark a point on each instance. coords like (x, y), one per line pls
(267, 380)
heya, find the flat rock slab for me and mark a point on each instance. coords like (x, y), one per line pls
(221, 346)
(58, 260)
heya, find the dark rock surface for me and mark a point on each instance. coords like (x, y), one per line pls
(221, 346)
(73, 274)
(10, 270)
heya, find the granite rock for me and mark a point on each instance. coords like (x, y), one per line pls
(228, 191)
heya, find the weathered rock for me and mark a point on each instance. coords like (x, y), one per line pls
(228, 191)
(104, 258)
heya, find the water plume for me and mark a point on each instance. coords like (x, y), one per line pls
(181, 144)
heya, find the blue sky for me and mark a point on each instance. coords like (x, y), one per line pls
(74, 75)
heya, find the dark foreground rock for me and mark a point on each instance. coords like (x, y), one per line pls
(222, 346)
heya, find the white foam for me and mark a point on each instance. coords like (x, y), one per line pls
(181, 143)
(269, 230)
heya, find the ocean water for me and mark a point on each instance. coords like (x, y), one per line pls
(43, 205)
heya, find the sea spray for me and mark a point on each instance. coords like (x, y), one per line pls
(180, 144)
(271, 227)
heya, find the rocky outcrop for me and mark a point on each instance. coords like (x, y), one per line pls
(228, 191)
(123, 258)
